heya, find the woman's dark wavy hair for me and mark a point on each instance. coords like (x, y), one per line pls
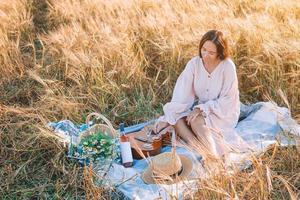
(217, 38)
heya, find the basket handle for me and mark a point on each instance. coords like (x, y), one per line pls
(100, 116)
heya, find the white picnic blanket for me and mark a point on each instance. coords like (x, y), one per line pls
(261, 124)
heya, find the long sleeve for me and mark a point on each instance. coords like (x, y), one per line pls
(227, 104)
(182, 98)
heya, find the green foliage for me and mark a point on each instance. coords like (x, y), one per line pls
(95, 146)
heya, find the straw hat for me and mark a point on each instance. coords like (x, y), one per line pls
(167, 168)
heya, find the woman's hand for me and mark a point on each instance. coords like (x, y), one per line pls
(195, 113)
(160, 125)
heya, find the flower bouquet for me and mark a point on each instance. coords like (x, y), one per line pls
(95, 147)
(96, 144)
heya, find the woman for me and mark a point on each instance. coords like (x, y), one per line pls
(211, 78)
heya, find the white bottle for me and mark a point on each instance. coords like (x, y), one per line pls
(126, 153)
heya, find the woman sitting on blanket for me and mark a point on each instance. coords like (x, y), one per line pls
(211, 78)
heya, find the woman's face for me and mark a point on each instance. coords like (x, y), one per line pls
(209, 52)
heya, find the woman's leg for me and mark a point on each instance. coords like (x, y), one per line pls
(205, 137)
(184, 131)
(198, 137)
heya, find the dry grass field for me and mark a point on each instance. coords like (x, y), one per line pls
(65, 59)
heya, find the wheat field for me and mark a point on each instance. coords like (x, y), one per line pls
(65, 59)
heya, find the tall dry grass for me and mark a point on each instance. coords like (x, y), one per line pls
(64, 59)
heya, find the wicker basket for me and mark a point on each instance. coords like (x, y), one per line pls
(107, 128)
(99, 171)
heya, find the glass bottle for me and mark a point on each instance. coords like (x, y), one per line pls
(126, 154)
